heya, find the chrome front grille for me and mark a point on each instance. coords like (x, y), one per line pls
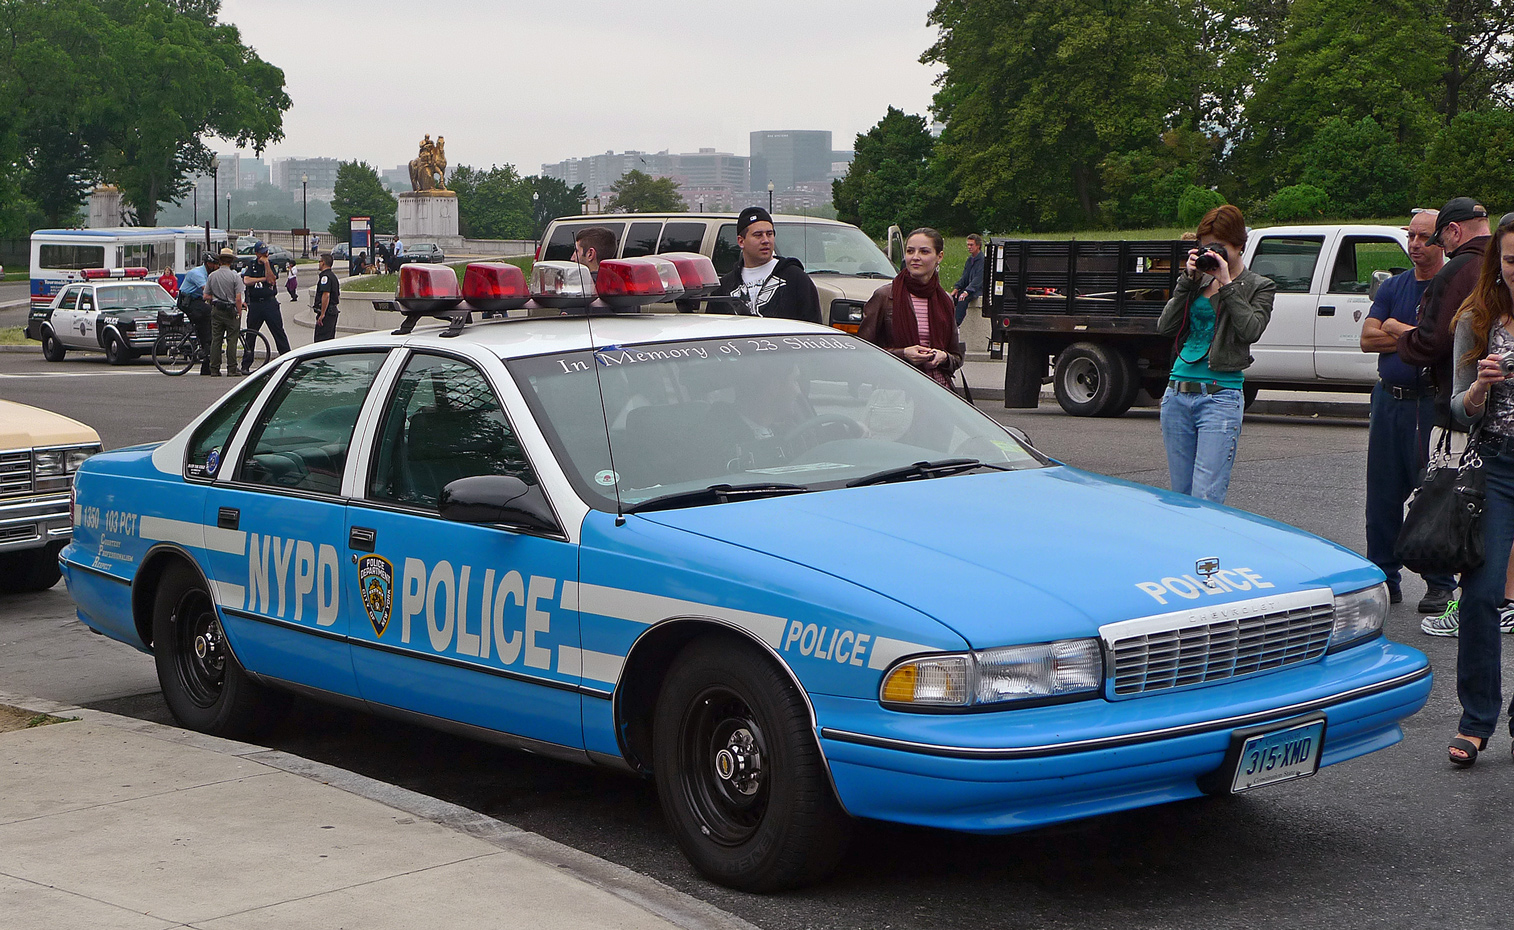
(16, 472)
(1203, 645)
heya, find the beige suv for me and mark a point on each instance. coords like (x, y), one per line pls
(844, 263)
(39, 453)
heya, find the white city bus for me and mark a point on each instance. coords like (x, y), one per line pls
(59, 256)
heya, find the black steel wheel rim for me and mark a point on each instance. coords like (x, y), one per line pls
(724, 767)
(200, 656)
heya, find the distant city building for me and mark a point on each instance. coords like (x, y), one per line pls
(598, 173)
(397, 178)
(787, 158)
(321, 171)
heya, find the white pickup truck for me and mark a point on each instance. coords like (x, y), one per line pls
(1083, 314)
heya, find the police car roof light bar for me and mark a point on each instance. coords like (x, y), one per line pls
(562, 285)
(696, 271)
(493, 287)
(628, 283)
(430, 291)
(96, 274)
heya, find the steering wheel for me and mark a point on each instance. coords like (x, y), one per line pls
(812, 431)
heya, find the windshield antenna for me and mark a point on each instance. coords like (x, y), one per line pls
(620, 511)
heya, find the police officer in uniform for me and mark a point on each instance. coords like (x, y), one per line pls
(328, 293)
(263, 303)
(192, 300)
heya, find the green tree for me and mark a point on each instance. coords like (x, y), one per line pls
(1473, 156)
(1479, 64)
(360, 193)
(1359, 167)
(493, 204)
(639, 192)
(1196, 201)
(891, 180)
(1297, 203)
(555, 199)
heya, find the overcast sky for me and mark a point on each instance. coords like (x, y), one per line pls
(532, 82)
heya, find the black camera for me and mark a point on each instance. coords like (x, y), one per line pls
(1210, 256)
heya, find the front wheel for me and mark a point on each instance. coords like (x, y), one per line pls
(116, 350)
(253, 342)
(739, 774)
(175, 353)
(204, 686)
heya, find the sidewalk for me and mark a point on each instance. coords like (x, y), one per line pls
(108, 822)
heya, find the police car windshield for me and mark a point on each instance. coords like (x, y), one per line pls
(811, 412)
(131, 297)
(832, 249)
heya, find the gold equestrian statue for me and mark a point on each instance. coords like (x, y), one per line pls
(428, 170)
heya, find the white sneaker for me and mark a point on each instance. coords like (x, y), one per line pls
(1506, 618)
(1446, 624)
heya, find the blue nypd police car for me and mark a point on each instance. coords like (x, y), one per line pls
(769, 566)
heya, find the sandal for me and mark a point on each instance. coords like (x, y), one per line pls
(1468, 750)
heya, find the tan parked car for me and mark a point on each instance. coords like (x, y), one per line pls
(39, 453)
(844, 263)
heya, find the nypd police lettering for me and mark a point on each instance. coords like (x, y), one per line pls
(846, 647)
(1191, 588)
(300, 569)
(509, 619)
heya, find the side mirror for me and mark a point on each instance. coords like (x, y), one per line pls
(496, 499)
(1378, 279)
(895, 252)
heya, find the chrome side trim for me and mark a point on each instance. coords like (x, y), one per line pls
(1129, 739)
(95, 571)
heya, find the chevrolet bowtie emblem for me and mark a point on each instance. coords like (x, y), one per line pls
(1207, 567)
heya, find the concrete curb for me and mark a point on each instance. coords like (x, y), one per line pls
(640, 890)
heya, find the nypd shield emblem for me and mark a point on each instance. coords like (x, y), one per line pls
(375, 579)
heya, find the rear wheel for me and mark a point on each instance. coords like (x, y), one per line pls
(30, 569)
(52, 349)
(116, 351)
(261, 352)
(203, 684)
(174, 353)
(740, 777)
(1094, 380)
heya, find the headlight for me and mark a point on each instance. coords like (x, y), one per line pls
(47, 463)
(73, 458)
(996, 676)
(1359, 614)
(53, 466)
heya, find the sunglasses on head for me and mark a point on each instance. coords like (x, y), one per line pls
(1508, 220)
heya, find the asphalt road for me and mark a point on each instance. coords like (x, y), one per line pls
(1393, 840)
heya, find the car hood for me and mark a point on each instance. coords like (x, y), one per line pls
(1040, 554)
(22, 427)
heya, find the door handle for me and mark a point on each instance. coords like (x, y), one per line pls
(228, 518)
(362, 538)
(1327, 311)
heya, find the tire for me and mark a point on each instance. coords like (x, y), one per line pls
(174, 353)
(775, 826)
(261, 351)
(1094, 380)
(30, 569)
(116, 351)
(204, 686)
(52, 349)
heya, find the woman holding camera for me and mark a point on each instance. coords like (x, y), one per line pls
(1484, 396)
(1218, 309)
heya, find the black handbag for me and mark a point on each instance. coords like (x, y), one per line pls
(1442, 532)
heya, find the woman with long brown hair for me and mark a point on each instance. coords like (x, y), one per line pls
(1484, 396)
(912, 316)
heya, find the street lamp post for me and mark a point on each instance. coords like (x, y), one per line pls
(215, 197)
(770, 199)
(228, 213)
(536, 217)
(197, 204)
(304, 216)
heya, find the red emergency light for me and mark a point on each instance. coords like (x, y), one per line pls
(427, 288)
(96, 274)
(695, 271)
(494, 286)
(628, 283)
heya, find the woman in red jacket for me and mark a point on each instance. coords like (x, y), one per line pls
(913, 316)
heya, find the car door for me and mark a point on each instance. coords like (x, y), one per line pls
(476, 623)
(64, 317)
(82, 324)
(282, 499)
(1286, 349)
(1338, 321)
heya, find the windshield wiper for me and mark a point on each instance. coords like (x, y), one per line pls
(715, 494)
(871, 274)
(937, 469)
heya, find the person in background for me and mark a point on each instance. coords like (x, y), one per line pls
(227, 298)
(1403, 412)
(196, 304)
(1216, 312)
(762, 283)
(328, 293)
(970, 285)
(912, 316)
(1461, 228)
(1483, 394)
(292, 283)
(315, 243)
(396, 249)
(169, 282)
(591, 245)
(263, 304)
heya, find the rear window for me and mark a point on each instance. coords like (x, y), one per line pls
(559, 247)
(726, 252)
(641, 240)
(681, 237)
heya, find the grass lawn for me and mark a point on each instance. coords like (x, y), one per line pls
(14, 336)
(386, 283)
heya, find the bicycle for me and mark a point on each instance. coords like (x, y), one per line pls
(178, 348)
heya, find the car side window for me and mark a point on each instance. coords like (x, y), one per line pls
(1359, 256)
(1289, 261)
(70, 297)
(208, 444)
(726, 253)
(641, 239)
(86, 300)
(443, 423)
(681, 237)
(301, 440)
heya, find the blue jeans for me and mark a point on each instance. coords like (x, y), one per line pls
(1398, 443)
(1478, 682)
(1200, 432)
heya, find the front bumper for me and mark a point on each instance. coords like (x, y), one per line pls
(1006, 771)
(35, 522)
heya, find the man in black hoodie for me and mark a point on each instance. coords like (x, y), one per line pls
(763, 284)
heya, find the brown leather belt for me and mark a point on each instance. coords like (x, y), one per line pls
(1197, 387)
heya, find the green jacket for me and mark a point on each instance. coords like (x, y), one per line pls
(1242, 310)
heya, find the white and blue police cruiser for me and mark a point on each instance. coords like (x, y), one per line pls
(780, 572)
